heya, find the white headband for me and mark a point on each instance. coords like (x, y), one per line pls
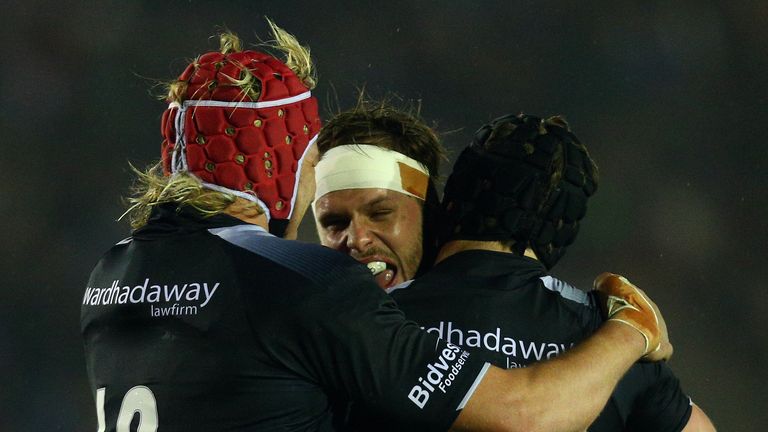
(359, 166)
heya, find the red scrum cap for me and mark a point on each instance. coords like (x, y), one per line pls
(241, 122)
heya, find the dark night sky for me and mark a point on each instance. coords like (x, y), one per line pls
(670, 97)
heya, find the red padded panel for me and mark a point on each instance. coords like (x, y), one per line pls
(244, 149)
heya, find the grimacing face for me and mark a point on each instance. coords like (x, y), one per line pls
(373, 224)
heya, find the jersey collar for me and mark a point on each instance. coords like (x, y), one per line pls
(170, 219)
(485, 263)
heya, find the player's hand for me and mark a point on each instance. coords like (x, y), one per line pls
(623, 302)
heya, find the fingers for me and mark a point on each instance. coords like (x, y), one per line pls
(623, 302)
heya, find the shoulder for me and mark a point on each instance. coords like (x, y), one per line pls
(397, 289)
(426, 288)
(315, 262)
(567, 291)
(112, 255)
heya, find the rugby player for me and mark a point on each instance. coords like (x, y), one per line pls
(493, 298)
(511, 208)
(205, 319)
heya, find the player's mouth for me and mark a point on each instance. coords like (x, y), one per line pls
(384, 272)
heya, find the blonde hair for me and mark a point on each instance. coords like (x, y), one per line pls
(297, 58)
(151, 188)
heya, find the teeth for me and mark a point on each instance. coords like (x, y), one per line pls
(389, 275)
(377, 267)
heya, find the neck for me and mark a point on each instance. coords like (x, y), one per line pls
(248, 213)
(455, 246)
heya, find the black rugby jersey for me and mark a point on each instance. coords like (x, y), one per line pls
(212, 324)
(510, 307)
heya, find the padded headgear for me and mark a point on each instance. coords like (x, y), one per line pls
(244, 126)
(524, 179)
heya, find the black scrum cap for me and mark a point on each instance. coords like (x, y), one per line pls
(525, 179)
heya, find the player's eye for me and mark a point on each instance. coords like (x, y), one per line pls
(333, 223)
(380, 214)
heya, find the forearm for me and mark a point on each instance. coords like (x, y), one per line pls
(563, 394)
(568, 392)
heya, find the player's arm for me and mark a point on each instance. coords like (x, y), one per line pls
(699, 422)
(565, 393)
(569, 391)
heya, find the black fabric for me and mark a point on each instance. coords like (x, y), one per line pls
(499, 302)
(429, 229)
(277, 227)
(228, 328)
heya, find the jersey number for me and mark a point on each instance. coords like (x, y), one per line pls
(139, 399)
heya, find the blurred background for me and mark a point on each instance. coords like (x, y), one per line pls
(670, 97)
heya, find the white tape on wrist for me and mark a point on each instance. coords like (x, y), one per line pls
(645, 336)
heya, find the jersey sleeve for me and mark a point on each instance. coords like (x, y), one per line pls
(662, 406)
(332, 325)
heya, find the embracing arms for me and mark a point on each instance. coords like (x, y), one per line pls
(568, 392)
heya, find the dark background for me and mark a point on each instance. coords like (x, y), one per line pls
(670, 96)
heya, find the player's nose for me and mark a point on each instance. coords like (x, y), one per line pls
(359, 236)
